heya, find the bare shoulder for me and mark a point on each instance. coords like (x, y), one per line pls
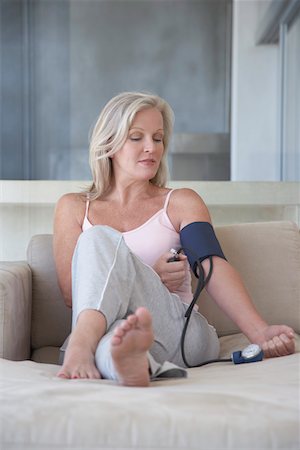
(187, 206)
(187, 198)
(186, 194)
(71, 206)
(71, 200)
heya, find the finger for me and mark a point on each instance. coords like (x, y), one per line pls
(171, 257)
(173, 285)
(280, 346)
(265, 349)
(177, 268)
(174, 288)
(288, 342)
(180, 261)
(167, 276)
(269, 349)
(288, 331)
(172, 274)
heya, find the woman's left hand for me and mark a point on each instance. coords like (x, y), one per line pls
(277, 340)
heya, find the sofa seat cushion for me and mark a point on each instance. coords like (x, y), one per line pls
(50, 354)
(219, 406)
(228, 344)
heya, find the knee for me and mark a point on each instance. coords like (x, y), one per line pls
(99, 243)
(99, 232)
(100, 240)
(213, 346)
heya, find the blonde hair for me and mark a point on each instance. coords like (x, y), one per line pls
(110, 133)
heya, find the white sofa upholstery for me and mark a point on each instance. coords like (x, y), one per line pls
(219, 406)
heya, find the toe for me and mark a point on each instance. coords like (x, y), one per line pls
(126, 325)
(132, 319)
(116, 340)
(63, 375)
(119, 331)
(144, 317)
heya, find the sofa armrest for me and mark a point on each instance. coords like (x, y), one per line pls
(15, 310)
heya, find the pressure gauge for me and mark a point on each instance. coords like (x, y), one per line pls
(251, 351)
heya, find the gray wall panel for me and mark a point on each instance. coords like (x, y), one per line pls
(80, 53)
(50, 89)
(11, 90)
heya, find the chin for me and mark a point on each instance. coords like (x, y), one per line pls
(149, 175)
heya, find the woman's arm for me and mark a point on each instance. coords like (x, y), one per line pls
(228, 290)
(68, 217)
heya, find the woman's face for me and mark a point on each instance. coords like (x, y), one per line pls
(140, 156)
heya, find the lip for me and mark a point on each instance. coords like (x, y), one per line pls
(147, 162)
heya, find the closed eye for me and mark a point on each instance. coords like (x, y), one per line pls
(158, 138)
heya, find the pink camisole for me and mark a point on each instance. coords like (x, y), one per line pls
(151, 239)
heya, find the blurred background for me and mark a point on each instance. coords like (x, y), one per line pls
(230, 70)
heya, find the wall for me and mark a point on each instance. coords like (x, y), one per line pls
(34, 89)
(254, 119)
(291, 107)
(178, 49)
(27, 207)
(62, 60)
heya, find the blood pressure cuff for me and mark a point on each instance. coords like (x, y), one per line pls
(198, 241)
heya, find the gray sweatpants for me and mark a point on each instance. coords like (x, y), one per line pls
(108, 277)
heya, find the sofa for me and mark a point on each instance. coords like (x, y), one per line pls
(218, 406)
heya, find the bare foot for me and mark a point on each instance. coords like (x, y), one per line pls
(79, 359)
(129, 347)
(78, 362)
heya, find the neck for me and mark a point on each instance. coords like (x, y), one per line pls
(126, 192)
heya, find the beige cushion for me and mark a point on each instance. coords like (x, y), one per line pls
(15, 310)
(219, 406)
(51, 319)
(267, 255)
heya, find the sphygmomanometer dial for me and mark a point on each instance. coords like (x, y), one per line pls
(251, 351)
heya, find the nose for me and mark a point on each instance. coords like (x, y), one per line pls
(149, 146)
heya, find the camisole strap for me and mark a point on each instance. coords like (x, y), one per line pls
(87, 207)
(167, 200)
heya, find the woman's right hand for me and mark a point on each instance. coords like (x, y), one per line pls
(172, 274)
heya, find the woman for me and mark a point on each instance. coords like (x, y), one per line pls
(112, 247)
